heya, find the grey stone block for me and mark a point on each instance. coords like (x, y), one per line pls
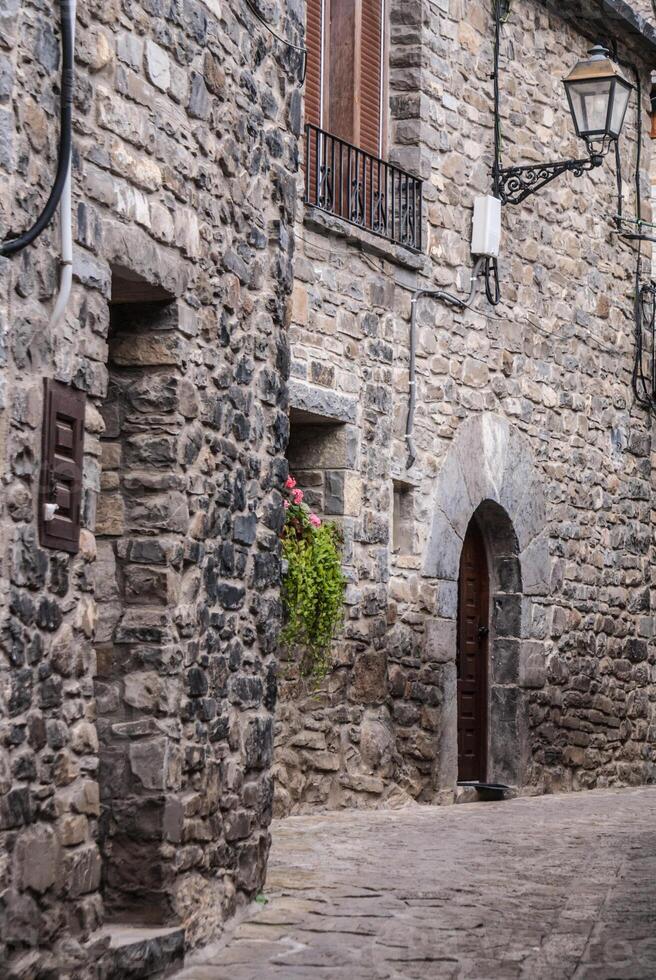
(536, 567)
(532, 665)
(37, 856)
(447, 599)
(452, 496)
(322, 446)
(481, 444)
(519, 472)
(504, 657)
(507, 614)
(322, 402)
(440, 640)
(334, 492)
(443, 550)
(509, 574)
(530, 515)
(447, 773)
(505, 752)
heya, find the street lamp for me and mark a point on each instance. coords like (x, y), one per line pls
(598, 97)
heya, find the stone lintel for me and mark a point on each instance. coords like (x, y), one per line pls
(322, 404)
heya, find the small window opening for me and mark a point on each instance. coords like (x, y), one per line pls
(318, 454)
(138, 517)
(403, 518)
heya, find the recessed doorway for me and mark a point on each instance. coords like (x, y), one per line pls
(472, 657)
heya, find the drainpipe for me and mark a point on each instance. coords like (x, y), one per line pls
(460, 304)
(66, 218)
(13, 245)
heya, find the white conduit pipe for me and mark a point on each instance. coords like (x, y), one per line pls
(66, 232)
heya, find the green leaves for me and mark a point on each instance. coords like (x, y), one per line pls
(313, 589)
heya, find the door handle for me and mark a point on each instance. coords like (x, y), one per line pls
(482, 632)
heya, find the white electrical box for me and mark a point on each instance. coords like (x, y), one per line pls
(486, 229)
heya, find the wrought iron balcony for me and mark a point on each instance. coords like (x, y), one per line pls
(361, 189)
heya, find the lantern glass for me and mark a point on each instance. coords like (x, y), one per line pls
(620, 103)
(589, 101)
(598, 97)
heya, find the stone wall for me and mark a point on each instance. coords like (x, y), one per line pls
(548, 370)
(137, 677)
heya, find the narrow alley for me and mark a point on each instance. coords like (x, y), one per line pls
(544, 888)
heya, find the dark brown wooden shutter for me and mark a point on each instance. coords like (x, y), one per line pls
(61, 472)
(313, 43)
(343, 58)
(371, 76)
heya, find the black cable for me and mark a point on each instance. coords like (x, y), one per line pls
(644, 386)
(497, 117)
(12, 245)
(620, 189)
(639, 137)
(644, 382)
(491, 266)
(283, 40)
(491, 276)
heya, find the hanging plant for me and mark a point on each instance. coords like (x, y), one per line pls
(313, 584)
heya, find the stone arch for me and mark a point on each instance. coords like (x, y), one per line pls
(489, 471)
(489, 460)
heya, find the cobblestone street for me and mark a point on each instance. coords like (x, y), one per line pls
(541, 889)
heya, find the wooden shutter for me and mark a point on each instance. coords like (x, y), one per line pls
(314, 45)
(371, 69)
(343, 59)
(61, 472)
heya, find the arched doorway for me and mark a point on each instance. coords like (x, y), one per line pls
(472, 656)
(489, 471)
(490, 736)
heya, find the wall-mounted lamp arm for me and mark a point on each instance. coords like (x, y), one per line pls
(513, 184)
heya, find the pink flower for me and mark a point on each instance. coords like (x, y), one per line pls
(285, 504)
(297, 496)
(315, 521)
(290, 483)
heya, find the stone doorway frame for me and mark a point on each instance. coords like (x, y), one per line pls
(489, 470)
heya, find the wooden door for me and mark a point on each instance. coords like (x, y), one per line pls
(472, 657)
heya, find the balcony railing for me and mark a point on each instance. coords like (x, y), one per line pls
(361, 189)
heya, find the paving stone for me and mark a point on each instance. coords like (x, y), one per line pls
(533, 888)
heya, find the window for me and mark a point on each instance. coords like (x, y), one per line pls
(345, 75)
(345, 124)
(402, 519)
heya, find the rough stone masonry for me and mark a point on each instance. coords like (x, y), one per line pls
(137, 676)
(525, 417)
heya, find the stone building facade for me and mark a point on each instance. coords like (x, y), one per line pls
(526, 430)
(139, 664)
(137, 672)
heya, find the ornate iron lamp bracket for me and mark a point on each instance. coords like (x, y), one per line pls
(513, 184)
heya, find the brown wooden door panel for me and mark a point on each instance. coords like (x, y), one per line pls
(472, 657)
(61, 467)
